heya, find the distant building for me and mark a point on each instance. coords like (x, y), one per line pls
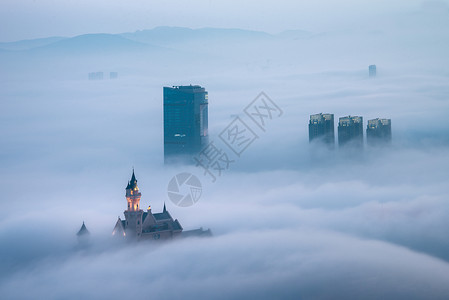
(378, 131)
(372, 70)
(113, 75)
(139, 224)
(185, 122)
(95, 76)
(321, 127)
(350, 131)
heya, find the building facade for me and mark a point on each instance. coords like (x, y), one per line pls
(350, 131)
(321, 128)
(185, 122)
(378, 132)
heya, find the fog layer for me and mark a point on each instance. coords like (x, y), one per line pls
(290, 219)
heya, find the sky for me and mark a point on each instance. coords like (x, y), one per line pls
(288, 217)
(27, 19)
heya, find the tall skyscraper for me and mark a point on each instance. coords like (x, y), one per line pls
(321, 127)
(350, 131)
(378, 131)
(185, 122)
(372, 70)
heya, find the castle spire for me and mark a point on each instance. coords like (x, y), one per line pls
(133, 182)
(133, 214)
(83, 230)
(133, 177)
(133, 194)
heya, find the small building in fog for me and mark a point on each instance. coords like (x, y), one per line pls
(372, 71)
(95, 76)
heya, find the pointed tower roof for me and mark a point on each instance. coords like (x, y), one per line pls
(133, 177)
(83, 230)
(133, 182)
(119, 229)
(165, 209)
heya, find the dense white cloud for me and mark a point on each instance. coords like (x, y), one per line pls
(290, 263)
(290, 220)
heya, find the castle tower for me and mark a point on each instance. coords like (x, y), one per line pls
(133, 194)
(83, 236)
(133, 214)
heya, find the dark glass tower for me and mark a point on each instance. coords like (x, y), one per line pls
(350, 131)
(378, 132)
(321, 127)
(185, 122)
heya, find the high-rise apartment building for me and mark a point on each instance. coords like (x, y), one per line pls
(378, 131)
(350, 131)
(185, 122)
(321, 127)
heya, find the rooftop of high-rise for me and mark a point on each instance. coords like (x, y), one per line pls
(321, 117)
(188, 88)
(345, 121)
(374, 123)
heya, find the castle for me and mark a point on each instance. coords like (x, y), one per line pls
(148, 225)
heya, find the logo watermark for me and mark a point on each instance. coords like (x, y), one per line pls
(262, 109)
(237, 137)
(184, 189)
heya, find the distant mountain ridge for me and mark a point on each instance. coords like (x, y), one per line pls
(156, 37)
(171, 35)
(99, 42)
(28, 44)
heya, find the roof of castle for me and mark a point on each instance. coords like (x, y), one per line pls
(165, 215)
(132, 184)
